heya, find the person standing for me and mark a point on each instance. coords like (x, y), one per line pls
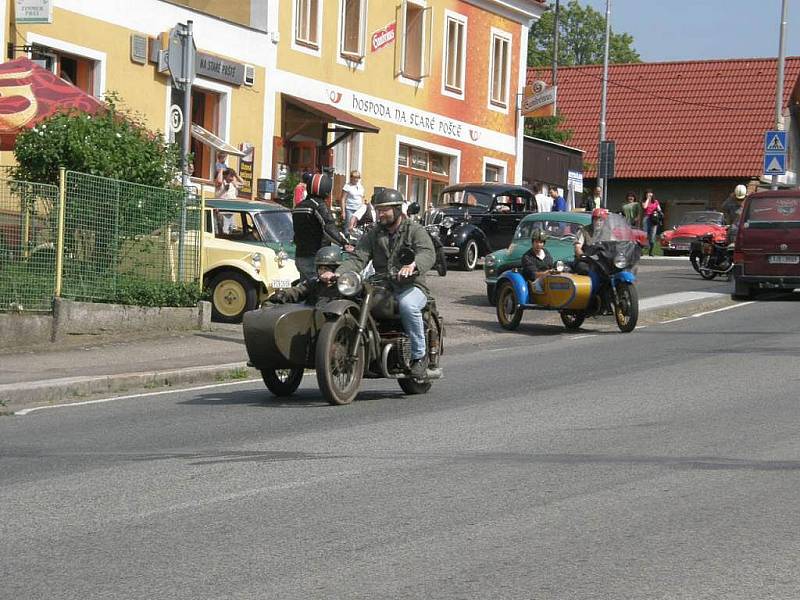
(632, 210)
(228, 184)
(314, 225)
(543, 202)
(352, 198)
(559, 204)
(652, 217)
(595, 201)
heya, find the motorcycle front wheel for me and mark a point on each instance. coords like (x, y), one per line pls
(412, 386)
(626, 310)
(339, 375)
(282, 382)
(572, 319)
(694, 258)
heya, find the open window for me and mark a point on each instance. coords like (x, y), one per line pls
(353, 29)
(77, 70)
(413, 50)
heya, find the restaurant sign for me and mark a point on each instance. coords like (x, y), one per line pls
(213, 67)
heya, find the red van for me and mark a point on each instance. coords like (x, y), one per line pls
(767, 249)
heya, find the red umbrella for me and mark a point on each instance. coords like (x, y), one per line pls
(30, 94)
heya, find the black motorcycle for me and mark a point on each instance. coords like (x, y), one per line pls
(711, 258)
(357, 335)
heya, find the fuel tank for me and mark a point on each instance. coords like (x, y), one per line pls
(563, 291)
(282, 335)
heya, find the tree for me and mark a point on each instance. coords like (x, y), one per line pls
(548, 128)
(581, 41)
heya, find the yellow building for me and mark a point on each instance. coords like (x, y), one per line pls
(113, 45)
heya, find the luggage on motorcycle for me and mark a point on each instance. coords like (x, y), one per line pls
(282, 335)
(566, 291)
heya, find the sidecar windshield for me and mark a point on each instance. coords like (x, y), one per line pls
(614, 229)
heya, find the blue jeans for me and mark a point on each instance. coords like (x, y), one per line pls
(651, 229)
(412, 300)
(306, 266)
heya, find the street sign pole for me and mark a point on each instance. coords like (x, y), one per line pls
(600, 180)
(779, 86)
(188, 73)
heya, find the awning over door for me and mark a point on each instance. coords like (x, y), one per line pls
(209, 139)
(331, 114)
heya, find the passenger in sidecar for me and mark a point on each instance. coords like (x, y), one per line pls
(537, 262)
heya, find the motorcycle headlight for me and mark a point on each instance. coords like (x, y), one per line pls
(560, 266)
(255, 258)
(448, 222)
(490, 260)
(620, 261)
(349, 283)
(281, 257)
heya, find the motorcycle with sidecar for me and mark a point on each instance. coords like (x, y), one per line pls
(602, 282)
(344, 339)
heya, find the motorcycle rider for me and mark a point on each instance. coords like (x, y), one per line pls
(586, 236)
(327, 260)
(313, 222)
(382, 245)
(731, 208)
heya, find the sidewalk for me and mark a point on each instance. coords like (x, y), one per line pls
(53, 376)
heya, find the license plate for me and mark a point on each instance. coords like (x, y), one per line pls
(281, 284)
(681, 246)
(783, 259)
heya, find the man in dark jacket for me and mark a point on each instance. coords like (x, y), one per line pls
(313, 224)
(537, 261)
(382, 245)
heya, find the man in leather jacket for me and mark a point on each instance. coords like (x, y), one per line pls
(312, 290)
(313, 223)
(382, 245)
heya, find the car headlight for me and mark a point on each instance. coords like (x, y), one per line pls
(281, 257)
(620, 261)
(448, 222)
(490, 260)
(349, 283)
(255, 258)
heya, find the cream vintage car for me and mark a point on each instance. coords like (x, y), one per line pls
(247, 254)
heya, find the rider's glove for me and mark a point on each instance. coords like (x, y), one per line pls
(278, 298)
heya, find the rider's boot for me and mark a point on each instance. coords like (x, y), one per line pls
(419, 368)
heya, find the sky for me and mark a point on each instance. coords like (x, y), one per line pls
(666, 30)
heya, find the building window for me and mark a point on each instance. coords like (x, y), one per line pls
(77, 70)
(455, 32)
(500, 65)
(413, 27)
(307, 22)
(494, 173)
(352, 45)
(421, 174)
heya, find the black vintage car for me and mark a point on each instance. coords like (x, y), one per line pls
(473, 219)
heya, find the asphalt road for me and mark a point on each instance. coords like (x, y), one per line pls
(657, 464)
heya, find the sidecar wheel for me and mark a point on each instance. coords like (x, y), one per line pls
(627, 309)
(572, 319)
(338, 376)
(509, 314)
(412, 387)
(282, 382)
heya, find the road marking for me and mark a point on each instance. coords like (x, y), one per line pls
(583, 337)
(709, 312)
(673, 320)
(27, 411)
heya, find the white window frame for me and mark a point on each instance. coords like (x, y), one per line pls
(462, 19)
(303, 45)
(500, 164)
(400, 43)
(357, 62)
(507, 37)
(99, 74)
(354, 146)
(453, 153)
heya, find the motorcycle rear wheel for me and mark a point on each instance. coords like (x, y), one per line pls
(282, 382)
(412, 387)
(704, 271)
(626, 310)
(339, 376)
(572, 319)
(694, 258)
(509, 314)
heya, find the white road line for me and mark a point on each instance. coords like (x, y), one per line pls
(709, 312)
(27, 411)
(673, 320)
(582, 337)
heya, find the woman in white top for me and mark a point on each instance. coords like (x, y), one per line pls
(352, 198)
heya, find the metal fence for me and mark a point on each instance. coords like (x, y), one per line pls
(115, 236)
(28, 230)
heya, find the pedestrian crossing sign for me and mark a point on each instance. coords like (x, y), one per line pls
(775, 142)
(774, 164)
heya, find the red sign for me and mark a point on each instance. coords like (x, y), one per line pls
(383, 37)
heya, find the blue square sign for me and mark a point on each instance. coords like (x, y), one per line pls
(775, 164)
(775, 142)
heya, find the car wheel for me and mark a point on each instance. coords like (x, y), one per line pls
(469, 255)
(232, 295)
(509, 314)
(491, 294)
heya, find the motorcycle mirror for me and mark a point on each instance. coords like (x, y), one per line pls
(406, 256)
(413, 208)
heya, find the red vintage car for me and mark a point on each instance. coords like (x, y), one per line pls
(678, 240)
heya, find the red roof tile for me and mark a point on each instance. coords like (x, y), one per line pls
(675, 119)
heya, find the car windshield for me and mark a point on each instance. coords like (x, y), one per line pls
(275, 226)
(691, 218)
(526, 229)
(466, 198)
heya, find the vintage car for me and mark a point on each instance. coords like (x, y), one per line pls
(473, 219)
(561, 229)
(691, 227)
(247, 254)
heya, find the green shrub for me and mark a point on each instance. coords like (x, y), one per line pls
(156, 293)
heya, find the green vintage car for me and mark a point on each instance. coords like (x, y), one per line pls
(560, 227)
